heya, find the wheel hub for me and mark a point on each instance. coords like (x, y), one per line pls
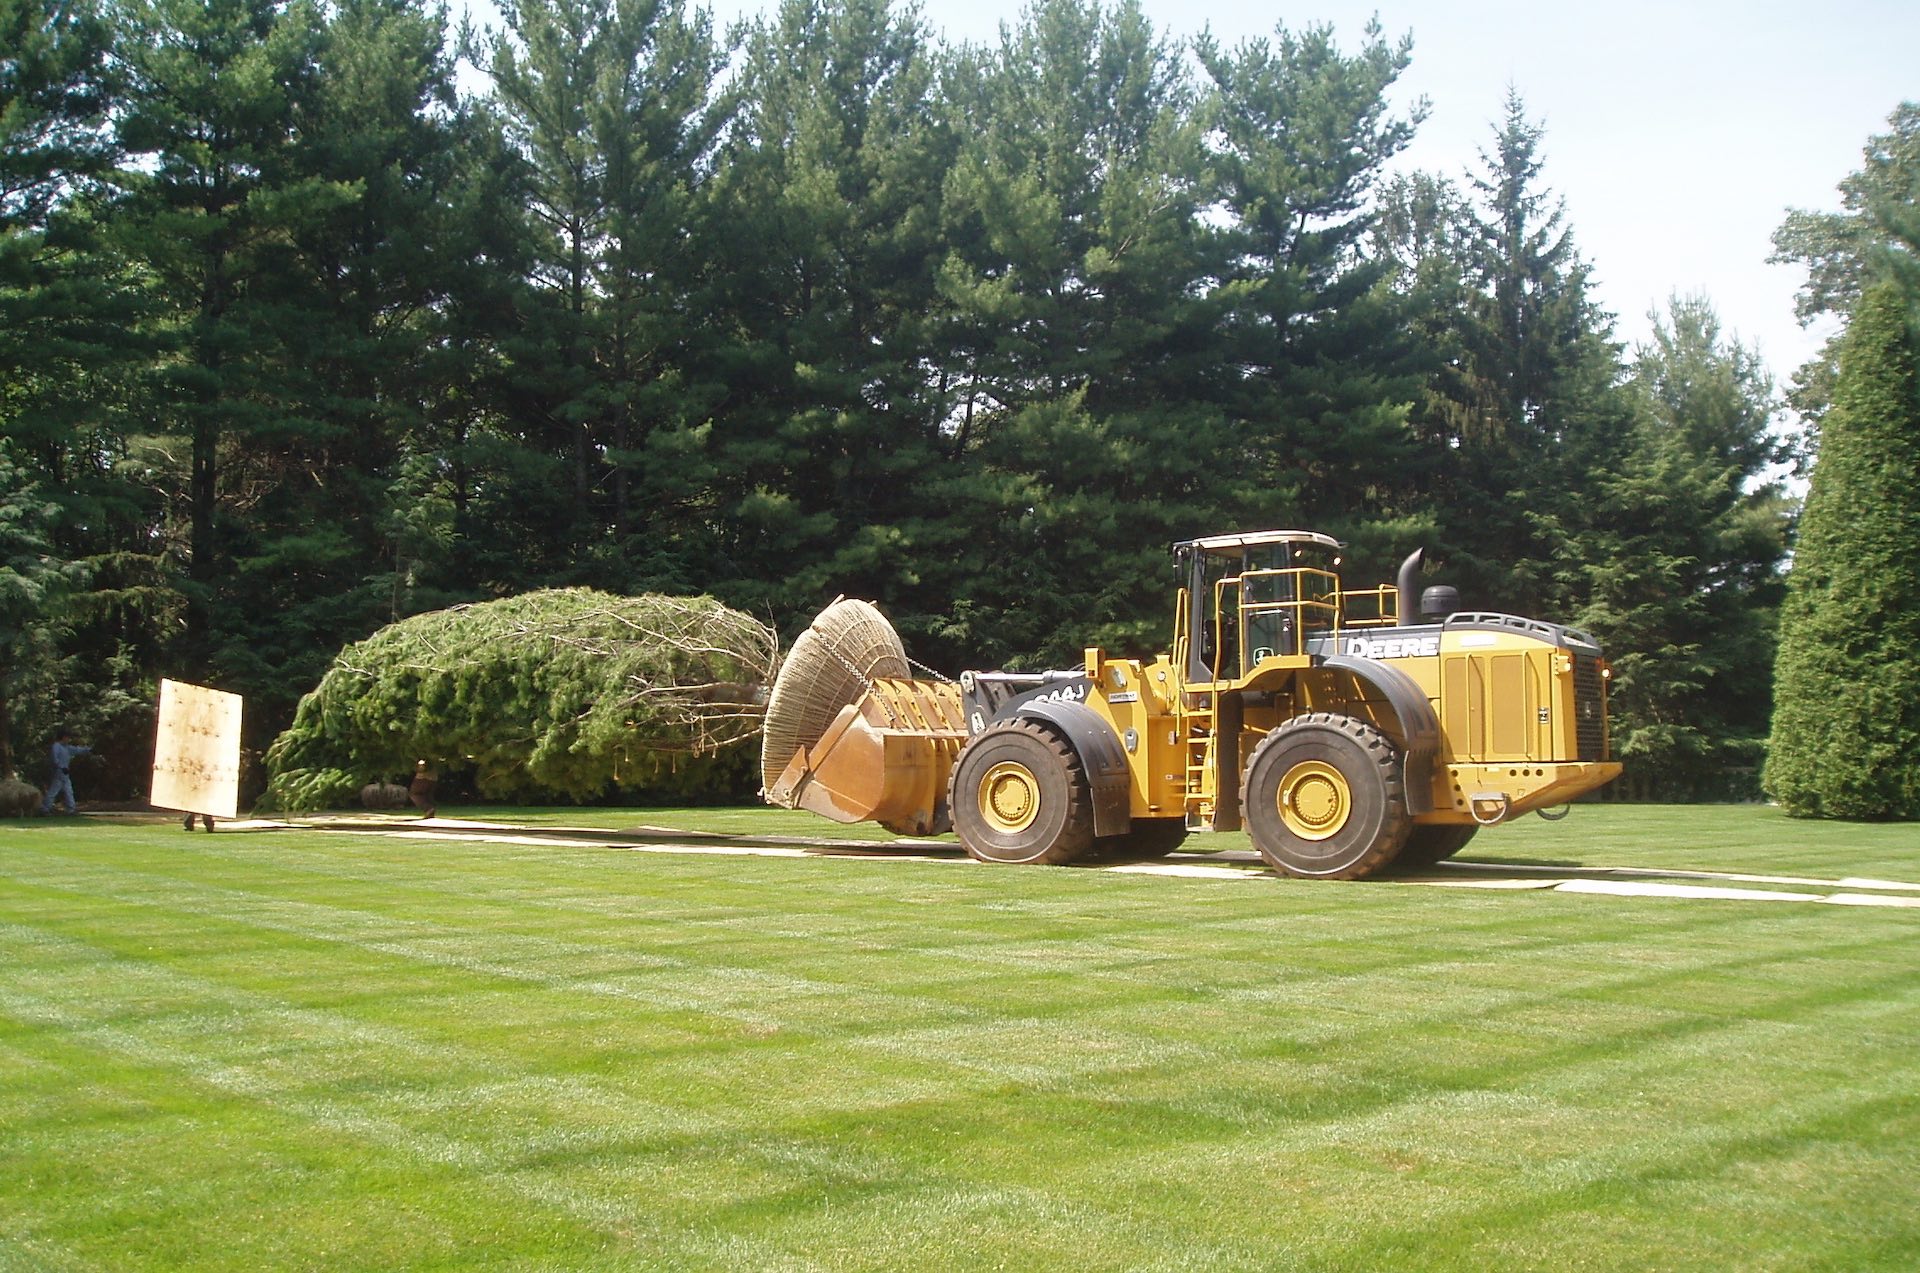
(1009, 797)
(1314, 800)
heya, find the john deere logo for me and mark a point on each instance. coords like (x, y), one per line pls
(1412, 647)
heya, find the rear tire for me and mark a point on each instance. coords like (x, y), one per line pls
(1019, 795)
(1325, 799)
(1433, 842)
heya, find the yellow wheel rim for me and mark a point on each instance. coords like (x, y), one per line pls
(1009, 797)
(1314, 800)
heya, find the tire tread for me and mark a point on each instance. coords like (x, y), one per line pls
(1076, 835)
(1384, 762)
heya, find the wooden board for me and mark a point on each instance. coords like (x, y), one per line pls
(196, 751)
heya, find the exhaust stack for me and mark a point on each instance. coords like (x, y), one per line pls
(1407, 581)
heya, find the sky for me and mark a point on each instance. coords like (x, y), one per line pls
(1678, 133)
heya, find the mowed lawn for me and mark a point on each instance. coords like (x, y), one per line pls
(335, 1050)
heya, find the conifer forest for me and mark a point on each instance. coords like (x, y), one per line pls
(319, 314)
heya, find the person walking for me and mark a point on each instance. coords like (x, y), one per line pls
(59, 757)
(426, 779)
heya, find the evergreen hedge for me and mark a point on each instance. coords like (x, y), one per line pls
(1846, 724)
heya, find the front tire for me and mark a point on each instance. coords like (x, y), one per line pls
(1019, 795)
(1325, 799)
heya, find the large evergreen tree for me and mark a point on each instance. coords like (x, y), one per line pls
(657, 121)
(211, 114)
(1522, 410)
(1680, 564)
(68, 515)
(1317, 341)
(1080, 337)
(826, 433)
(1846, 725)
(360, 274)
(610, 105)
(549, 67)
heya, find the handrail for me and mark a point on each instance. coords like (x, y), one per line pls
(1317, 603)
(1182, 642)
(1308, 610)
(1379, 596)
(1220, 613)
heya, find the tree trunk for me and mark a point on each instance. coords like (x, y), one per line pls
(203, 481)
(622, 411)
(6, 727)
(577, 358)
(203, 491)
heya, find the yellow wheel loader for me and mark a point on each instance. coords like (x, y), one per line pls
(1347, 731)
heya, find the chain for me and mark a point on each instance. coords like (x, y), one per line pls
(918, 666)
(860, 675)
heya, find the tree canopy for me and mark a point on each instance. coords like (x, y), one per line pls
(302, 338)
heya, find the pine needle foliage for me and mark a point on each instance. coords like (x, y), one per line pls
(563, 692)
(1846, 723)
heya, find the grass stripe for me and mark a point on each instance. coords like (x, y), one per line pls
(329, 1050)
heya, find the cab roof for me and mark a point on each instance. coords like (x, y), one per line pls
(1259, 538)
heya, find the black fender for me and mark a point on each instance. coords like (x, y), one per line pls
(1101, 755)
(1419, 727)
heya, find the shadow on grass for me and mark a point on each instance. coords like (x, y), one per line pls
(1564, 864)
(647, 835)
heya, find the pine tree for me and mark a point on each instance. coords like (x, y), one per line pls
(657, 121)
(1846, 723)
(75, 562)
(1079, 334)
(212, 113)
(548, 67)
(1318, 338)
(1525, 411)
(827, 425)
(1681, 564)
(57, 299)
(612, 109)
(361, 272)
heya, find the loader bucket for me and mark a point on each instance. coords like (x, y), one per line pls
(884, 759)
(829, 666)
(850, 737)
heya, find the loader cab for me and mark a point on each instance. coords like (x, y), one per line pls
(1245, 598)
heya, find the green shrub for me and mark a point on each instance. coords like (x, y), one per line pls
(567, 692)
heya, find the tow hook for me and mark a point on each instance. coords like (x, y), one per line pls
(1500, 801)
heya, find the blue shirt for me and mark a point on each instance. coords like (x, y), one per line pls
(63, 754)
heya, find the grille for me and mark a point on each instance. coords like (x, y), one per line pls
(1589, 708)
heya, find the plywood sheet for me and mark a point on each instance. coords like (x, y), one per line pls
(196, 752)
